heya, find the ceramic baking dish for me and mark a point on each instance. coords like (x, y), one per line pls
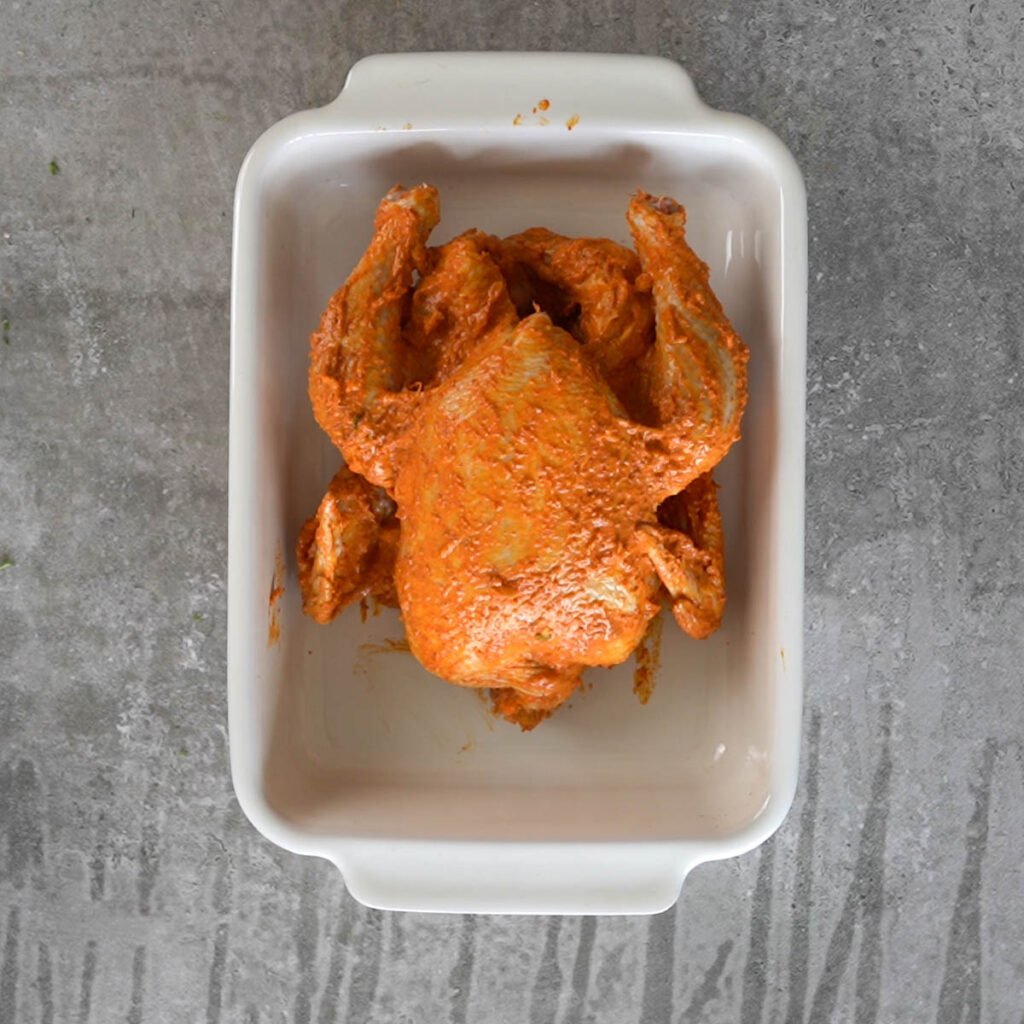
(341, 745)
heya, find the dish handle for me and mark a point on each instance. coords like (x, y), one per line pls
(526, 91)
(514, 878)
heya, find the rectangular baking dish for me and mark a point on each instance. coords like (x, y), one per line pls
(341, 745)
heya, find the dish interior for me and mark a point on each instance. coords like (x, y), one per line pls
(361, 741)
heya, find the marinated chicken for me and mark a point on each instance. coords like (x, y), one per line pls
(589, 286)
(545, 414)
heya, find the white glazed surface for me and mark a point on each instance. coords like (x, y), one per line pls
(345, 749)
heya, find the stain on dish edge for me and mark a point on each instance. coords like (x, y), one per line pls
(648, 661)
(274, 601)
(371, 649)
(387, 646)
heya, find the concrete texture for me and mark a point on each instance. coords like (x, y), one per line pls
(131, 887)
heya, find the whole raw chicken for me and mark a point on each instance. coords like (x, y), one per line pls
(541, 416)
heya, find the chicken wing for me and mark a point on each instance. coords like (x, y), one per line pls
(695, 376)
(347, 549)
(701, 380)
(358, 360)
(688, 552)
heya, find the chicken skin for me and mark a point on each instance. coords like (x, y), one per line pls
(519, 449)
(530, 544)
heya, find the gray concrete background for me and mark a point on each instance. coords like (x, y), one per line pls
(131, 887)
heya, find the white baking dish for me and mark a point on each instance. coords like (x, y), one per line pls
(344, 749)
